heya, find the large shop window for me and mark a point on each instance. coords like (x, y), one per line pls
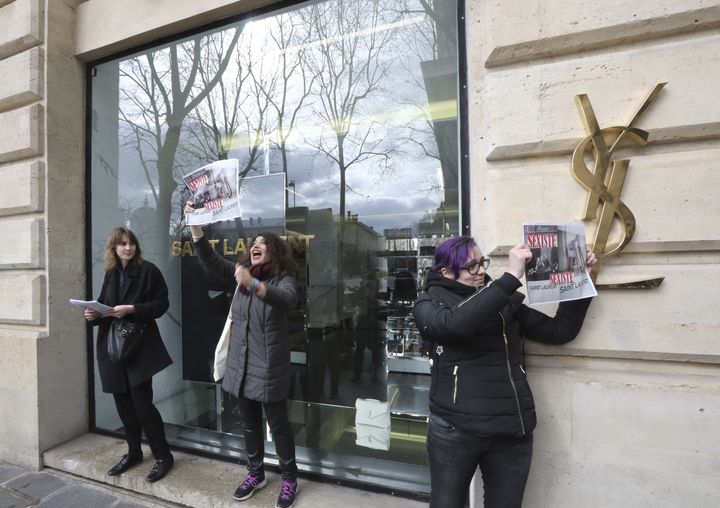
(343, 116)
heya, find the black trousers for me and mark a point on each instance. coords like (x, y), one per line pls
(277, 418)
(455, 455)
(138, 413)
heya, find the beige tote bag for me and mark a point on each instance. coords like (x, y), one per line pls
(223, 345)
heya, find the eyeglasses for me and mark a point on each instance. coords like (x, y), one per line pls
(473, 266)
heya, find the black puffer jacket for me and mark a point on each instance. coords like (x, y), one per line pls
(478, 381)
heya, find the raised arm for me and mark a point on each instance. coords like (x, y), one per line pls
(211, 260)
(440, 323)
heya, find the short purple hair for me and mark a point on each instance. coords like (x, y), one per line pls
(453, 253)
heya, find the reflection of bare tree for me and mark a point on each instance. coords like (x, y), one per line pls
(219, 114)
(349, 65)
(289, 84)
(435, 134)
(163, 87)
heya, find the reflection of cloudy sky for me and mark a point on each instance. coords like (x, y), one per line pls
(396, 197)
(263, 196)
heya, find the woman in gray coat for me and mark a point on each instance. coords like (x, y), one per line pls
(258, 362)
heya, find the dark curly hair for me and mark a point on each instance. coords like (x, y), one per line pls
(280, 256)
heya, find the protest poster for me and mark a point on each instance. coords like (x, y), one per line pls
(557, 270)
(214, 190)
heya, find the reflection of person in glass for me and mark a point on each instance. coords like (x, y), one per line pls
(136, 290)
(366, 329)
(481, 407)
(258, 362)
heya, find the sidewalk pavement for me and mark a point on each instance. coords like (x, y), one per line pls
(21, 488)
(75, 477)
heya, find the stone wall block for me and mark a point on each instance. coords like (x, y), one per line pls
(654, 185)
(536, 103)
(22, 81)
(18, 393)
(24, 299)
(21, 188)
(22, 133)
(105, 27)
(27, 234)
(22, 26)
(636, 425)
(555, 28)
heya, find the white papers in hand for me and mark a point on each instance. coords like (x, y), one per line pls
(94, 305)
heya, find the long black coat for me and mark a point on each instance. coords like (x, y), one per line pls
(144, 288)
(258, 361)
(478, 380)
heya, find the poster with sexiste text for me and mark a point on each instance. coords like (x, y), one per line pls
(557, 270)
(214, 191)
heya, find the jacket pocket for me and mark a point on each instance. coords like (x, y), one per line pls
(440, 422)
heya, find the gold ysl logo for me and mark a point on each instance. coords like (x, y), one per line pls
(605, 181)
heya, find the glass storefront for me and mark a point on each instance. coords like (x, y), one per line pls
(343, 116)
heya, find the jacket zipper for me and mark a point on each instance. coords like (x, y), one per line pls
(509, 370)
(474, 294)
(455, 379)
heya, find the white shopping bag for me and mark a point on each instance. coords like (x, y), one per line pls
(372, 424)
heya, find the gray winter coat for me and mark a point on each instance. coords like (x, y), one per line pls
(258, 362)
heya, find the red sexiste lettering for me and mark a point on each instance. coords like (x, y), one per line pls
(561, 277)
(538, 240)
(200, 181)
(214, 204)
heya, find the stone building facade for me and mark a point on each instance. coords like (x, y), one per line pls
(627, 412)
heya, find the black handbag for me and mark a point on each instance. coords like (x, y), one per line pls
(124, 339)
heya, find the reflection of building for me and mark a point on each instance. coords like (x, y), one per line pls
(642, 357)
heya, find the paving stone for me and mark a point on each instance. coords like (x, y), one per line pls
(132, 504)
(36, 485)
(8, 472)
(78, 496)
(8, 500)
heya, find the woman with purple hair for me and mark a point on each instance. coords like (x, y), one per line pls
(482, 412)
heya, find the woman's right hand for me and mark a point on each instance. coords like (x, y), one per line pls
(195, 230)
(91, 315)
(518, 257)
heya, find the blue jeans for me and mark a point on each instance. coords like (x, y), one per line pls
(455, 455)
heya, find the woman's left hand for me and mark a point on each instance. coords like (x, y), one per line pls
(590, 259)
(120, 311)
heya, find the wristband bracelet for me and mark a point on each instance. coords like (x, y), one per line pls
(255, 285)
(260, 285)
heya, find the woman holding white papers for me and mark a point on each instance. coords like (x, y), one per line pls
(135, 290)
(257, 369)
(482, 412)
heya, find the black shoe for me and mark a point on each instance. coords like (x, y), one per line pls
(160, 469)
(126, 462)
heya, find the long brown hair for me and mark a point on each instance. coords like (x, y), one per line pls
(117, 235)
(280, 255)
